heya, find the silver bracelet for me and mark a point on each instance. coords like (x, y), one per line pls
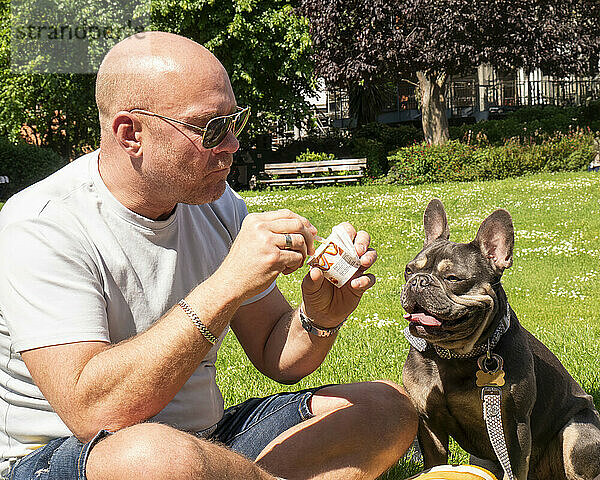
(194, 318)
(311, 327)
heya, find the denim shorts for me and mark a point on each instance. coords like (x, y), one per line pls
(246, 428)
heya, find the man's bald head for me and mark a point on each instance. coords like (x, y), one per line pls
(153, 71)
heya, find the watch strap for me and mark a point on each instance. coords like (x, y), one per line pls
(315, 329)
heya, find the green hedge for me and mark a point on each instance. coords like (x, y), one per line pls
(373, 141)
(309, 156)
(388, 136)
(457, 161)
(376, 141)
(335, 142)
(24, 165)
(534, 124)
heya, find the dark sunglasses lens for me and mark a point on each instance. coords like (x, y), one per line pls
(240, 121)
(216, 130)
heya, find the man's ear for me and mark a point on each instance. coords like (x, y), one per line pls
(127, 131)
(435, 222)
(496, 239)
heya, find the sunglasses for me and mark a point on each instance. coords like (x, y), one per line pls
(217, 127)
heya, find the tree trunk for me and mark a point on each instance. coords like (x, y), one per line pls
(432, 90)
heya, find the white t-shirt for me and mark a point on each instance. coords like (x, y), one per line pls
(76, 265)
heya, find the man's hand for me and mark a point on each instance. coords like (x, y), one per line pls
(328, 305)
(259, 253)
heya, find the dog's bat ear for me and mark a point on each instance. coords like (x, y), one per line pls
(435, 222)
(496, 239)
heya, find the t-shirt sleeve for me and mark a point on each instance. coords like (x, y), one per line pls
(50, 289)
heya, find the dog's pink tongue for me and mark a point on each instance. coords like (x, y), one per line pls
(423, 319)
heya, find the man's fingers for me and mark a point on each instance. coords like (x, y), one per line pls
(285, 214)
(292, 241)
(313, 280)
(362, 242)
(290, 261)
(298, 227)
(361, 239)
(350, 229)
(368, 259)
(276, 214)
(363, 283)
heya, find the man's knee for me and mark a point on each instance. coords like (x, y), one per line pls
(150, 450)
(383, 402)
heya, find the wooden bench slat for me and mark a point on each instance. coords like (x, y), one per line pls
(310, 169)
(337, 178)
(323, 163)
(293, 173)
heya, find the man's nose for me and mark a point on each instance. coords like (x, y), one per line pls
(230, 144)
(420, 281)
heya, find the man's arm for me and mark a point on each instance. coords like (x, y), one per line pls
(272, 335)
(95, 385)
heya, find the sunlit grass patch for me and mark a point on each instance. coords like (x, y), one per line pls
(554, 284)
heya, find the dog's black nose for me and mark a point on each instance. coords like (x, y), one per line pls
(420, 281)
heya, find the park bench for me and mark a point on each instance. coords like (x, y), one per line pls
(342, 170)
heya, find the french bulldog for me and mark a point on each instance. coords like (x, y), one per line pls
(460, 327)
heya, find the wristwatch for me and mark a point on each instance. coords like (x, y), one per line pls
(314, 329)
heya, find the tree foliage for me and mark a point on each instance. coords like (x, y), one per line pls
(368, 41)
(54, 110)
(263, 45)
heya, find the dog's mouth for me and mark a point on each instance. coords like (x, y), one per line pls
(425, 318)
(422, 317)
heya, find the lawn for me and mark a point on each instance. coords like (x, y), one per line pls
(554, 284)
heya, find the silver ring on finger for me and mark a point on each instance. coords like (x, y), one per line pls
(288, 241)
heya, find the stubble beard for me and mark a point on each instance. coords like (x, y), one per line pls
(191, 186)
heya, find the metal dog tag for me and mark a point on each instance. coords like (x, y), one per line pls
(490, 371)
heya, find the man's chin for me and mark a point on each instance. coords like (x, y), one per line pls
(207, 193)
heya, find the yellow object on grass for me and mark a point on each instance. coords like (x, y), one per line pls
(458, 472)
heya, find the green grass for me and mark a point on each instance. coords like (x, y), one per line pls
(554, 284)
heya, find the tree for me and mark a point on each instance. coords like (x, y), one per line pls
(368, 41)
(262, 44)
(366, 102)
(47, 71)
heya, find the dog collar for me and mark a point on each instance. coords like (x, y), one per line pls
(421, 344)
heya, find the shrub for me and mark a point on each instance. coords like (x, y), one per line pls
(25, 164)
(569, 152)
(309, 156)
(532, 124)
(424, 163)
(375, 153)
(457, 161)
(334, 142)
(589, 115)
(390, 137)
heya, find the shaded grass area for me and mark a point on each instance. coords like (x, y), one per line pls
(554, 284)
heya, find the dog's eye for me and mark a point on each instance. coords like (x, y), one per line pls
(453, 278)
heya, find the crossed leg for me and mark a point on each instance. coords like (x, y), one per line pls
(358, 431)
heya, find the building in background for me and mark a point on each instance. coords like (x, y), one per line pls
(485, 94)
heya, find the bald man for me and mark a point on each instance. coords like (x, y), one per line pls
(121, 274)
